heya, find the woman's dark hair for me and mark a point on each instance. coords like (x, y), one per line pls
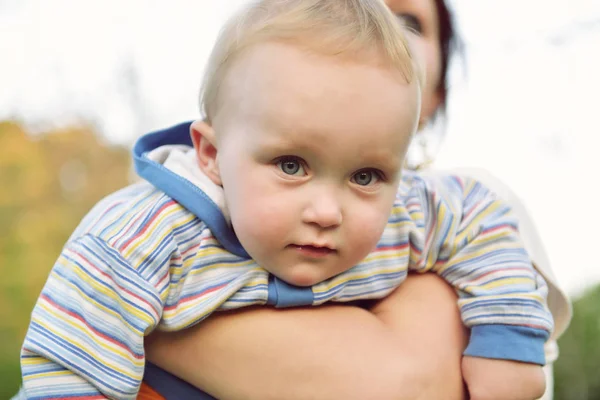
(450, 44)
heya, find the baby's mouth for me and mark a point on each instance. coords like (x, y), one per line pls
(313, 251)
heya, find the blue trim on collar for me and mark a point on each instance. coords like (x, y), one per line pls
(282, 294)
(179, 188)
(272, 293)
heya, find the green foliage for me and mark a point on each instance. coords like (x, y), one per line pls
(48, 183)
(577, 371)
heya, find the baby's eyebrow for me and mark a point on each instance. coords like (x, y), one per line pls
(291, 139)
(384, 160)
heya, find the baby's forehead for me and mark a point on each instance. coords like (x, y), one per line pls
(278, 71)
(310, 99)
(315, 107)
(275, 54)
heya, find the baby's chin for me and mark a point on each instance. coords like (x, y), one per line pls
(303, 277)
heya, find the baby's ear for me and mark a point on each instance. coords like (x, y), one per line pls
(205, 144)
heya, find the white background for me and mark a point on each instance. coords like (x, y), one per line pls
(525, 106)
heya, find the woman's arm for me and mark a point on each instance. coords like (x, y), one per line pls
(408, 347)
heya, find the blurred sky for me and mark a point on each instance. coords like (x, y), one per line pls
(525, 105)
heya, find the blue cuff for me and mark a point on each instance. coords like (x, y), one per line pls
(508, 342)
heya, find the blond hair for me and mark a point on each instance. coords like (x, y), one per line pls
(330, 27)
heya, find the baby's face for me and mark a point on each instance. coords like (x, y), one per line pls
(309, 150)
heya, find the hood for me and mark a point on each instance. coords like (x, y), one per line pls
(162, 158)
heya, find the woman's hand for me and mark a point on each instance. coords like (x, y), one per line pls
(489, 379)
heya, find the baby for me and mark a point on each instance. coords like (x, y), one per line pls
(290, 192)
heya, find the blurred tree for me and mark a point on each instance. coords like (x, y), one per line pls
(577, 372)
(48, 183)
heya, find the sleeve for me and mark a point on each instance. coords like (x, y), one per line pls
(475, 246)
(85, 339)
(558, 301)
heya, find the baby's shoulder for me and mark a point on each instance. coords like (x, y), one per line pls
(137, 213)
(449, 190)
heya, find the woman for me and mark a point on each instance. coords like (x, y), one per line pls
(390, 350)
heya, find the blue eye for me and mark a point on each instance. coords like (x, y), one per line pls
(291, 166)
(365, 177)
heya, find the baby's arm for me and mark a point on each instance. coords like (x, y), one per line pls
(85, 339)
(475, 246)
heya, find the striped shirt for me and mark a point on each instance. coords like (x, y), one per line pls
(161, 256)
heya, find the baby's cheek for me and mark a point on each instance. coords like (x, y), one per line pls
(262, 221)
(367, 231)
